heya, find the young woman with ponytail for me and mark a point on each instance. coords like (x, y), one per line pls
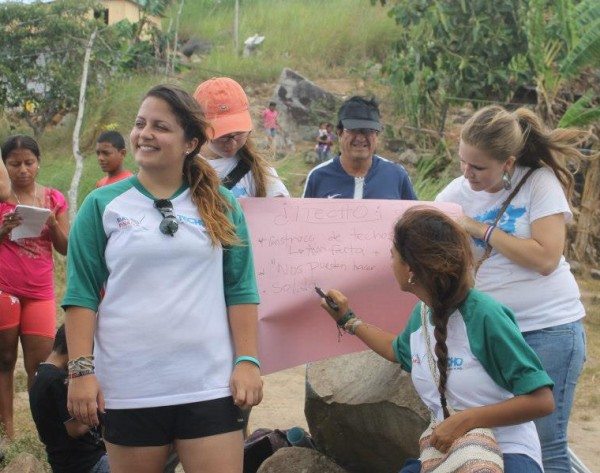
(168, 355)
(488, 374)
(526, 269)
(230, 146)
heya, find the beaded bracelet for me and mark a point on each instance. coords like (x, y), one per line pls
(251, 359)
(83, 363)
(77, 374)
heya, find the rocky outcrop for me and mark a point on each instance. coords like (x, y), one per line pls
(364, 413)
(302, 105)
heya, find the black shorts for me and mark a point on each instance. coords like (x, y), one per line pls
(155, 426)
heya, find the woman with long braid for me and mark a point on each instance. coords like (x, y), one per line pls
(175, 336)
(431, 258)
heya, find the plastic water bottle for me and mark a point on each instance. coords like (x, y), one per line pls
(297, 437)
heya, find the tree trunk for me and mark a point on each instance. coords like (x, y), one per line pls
(583, 246)
(74, 188)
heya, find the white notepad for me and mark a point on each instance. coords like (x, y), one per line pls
(33, 220)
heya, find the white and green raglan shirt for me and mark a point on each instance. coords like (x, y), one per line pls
(488, 362)
(162, 335)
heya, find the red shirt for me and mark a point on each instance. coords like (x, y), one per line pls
(106, 180)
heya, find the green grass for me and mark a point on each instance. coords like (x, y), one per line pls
(311, 36)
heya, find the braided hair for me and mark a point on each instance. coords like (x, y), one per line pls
(438, 252)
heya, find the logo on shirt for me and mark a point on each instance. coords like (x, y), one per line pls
(195, 221)
(333, 196)
(129, 222)
(454, 362)
(507, 222)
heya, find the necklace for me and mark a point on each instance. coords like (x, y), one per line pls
(34, 197)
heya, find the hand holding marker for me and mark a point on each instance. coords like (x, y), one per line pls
(330, 302)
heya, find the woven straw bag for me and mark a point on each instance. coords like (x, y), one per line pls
(475, 452)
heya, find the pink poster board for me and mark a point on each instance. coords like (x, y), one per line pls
(333, 243)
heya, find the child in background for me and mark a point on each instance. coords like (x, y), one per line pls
(111, 151)
(72, 447)
(324, 141)
(269, 116)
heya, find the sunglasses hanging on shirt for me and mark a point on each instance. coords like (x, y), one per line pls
(169, 224)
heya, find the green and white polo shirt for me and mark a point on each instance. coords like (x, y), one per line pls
(488, 362)
(162, 335)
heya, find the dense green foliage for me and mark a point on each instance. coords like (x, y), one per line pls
(463, 48)
(481, 50)
(42, 48)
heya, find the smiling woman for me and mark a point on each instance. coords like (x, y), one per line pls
(174, 366)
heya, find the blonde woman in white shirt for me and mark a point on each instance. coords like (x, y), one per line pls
(526, 269)
(230, 146)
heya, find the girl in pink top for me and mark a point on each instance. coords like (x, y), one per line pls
(269, 116)
(27, 307)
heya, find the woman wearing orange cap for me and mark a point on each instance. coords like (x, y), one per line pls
(230, 150)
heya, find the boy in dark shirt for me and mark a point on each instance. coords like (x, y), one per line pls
(72, 447)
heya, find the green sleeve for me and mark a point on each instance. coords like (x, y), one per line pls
(86, 266)
(401, 343)
(238, 265)
(496, 341)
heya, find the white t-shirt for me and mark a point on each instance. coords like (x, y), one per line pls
(538, 301)
(246, 186)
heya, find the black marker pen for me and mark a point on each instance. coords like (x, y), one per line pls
(330, 302)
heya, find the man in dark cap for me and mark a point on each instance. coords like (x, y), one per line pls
(358, 173)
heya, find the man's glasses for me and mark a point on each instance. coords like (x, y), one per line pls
(169, 224)
(233, 137)
(361, 131)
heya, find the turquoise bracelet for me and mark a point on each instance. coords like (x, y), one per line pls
(251, 359)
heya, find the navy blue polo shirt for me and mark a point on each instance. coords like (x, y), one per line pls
(385, 180)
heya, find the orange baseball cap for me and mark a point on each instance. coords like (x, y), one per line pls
(225, 106)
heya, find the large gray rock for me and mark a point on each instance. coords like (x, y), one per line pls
(299, 460)
(24, 463)
(364, 413)
(302, 105)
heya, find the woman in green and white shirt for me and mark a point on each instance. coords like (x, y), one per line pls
(487, 371)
